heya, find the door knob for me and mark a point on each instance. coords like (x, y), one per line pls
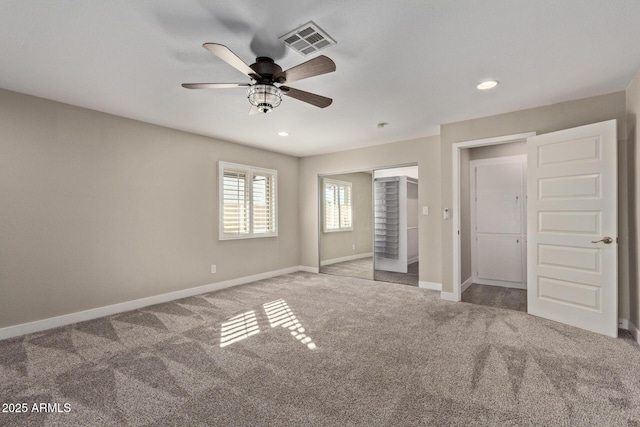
(606, 240)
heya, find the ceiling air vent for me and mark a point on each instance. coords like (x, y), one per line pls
(307, 39)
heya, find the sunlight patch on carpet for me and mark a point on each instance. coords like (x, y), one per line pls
(279, 314)
(238, 328)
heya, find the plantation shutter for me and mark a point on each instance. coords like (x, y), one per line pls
(338, 211)
(331, 212)
(236, 202)
(248, 201)
(264, 212)
(344, 200)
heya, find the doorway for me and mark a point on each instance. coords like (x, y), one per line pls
(571, 225)
(493, 226)
(485, 293)
(368, 226)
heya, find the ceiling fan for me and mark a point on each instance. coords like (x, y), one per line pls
(263, 94)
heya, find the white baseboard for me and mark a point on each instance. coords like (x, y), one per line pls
(466, 284)
(449, 296)
(634, 331)
(81, 316)
(308, 269)
(430, 285)
(345, 258)
(502, 283)
(412, 260)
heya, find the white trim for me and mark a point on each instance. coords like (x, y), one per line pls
(634, 331)
(345, 258)
(466, 284)
(434, 286)
(501, 283)
(456, 147)
(450, 296)
(413, 260)
(308, 269)
(623, 324)
(81, 316)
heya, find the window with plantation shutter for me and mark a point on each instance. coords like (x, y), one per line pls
(337, 206)
(247, 201)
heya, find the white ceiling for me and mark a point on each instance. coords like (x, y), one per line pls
(413, 64)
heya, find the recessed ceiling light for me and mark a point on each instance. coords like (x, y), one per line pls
(283, 133)
(489, 84)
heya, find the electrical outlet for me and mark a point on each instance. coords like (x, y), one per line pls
(353, 247)
(213, 269)
(425, 210)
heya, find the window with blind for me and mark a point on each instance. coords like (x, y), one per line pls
(248, 201)
(337, 206)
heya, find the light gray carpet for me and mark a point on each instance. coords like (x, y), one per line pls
(363, 268)
(496, 296)
(409, 278)
(313, 349)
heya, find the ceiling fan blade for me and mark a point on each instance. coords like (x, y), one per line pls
(308, 97)
(224, 53)
(313, 67)
(253, 110)
(213, 85)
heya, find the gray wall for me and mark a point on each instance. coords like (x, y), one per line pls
(633, 162)
(97, 209)
(466, 155)
(543, 120)
(339, 244)
(424, 151)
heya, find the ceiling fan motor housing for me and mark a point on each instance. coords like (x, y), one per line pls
(268, 70)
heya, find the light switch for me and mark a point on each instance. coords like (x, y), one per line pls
(425, 210)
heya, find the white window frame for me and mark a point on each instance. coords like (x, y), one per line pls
(326, 181)
(250, 171)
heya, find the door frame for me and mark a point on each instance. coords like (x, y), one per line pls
(456, 295)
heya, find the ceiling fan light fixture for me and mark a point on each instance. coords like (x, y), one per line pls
(264, 96)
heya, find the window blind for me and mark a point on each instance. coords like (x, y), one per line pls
(248, 198)
(263, 204)
(338, 206)
(236, 202)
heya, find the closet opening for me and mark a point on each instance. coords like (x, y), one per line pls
(490, 228)
(369, 224)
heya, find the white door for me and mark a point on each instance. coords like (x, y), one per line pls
(572, 229)
(498, 227)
